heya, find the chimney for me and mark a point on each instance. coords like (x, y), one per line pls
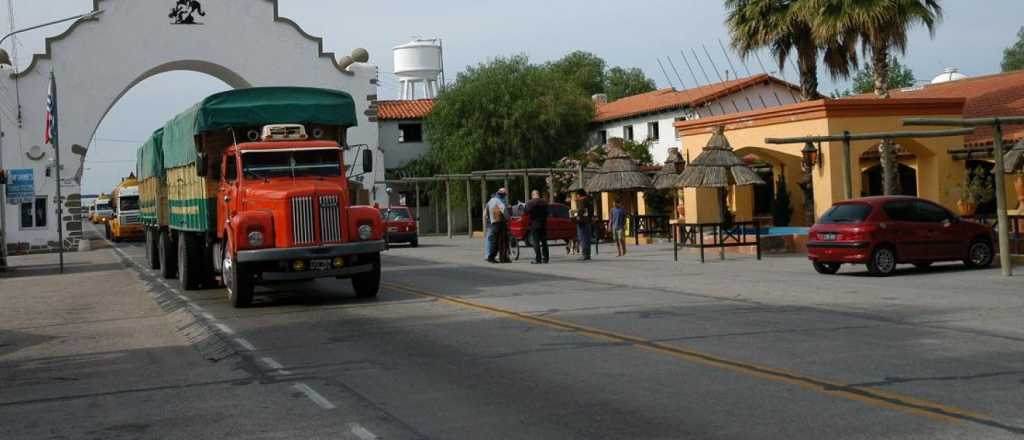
(600, 99)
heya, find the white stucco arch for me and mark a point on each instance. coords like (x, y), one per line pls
(244, 43)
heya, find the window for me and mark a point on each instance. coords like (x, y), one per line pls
(33, 214)
(652, 131)
(627, 132)
(231, 168)
(410, 133)
(602, 137)
(931, 213)
(294, 163)
(397, 214)
(846, 213)
(901, 210)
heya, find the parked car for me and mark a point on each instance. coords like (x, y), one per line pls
(560, 226)
(882, 232)
(400, 226)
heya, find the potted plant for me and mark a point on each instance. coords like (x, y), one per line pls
(977, 189)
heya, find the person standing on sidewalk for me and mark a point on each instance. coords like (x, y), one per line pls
(618, 225)
(497, 209)
(584, 222)
(537, 209)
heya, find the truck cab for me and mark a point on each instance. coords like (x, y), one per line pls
(284, 212)
(101, 211)
(124, 223)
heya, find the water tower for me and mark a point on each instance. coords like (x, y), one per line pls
(418, 61)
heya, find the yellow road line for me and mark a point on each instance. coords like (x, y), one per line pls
(871, 396)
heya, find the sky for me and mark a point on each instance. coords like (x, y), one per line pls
(633, 33)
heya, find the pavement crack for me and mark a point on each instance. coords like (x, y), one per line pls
(956, 378)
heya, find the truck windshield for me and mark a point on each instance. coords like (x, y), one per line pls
(129, 203)
(103, 207)
(294, 163)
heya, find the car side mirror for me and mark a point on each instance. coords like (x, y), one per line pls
(201, 163)
(367, 161)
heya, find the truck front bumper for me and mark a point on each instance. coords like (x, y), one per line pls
(305, 253)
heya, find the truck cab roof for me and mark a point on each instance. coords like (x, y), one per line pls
(283, 145)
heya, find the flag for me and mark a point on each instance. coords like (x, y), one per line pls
(51, 111)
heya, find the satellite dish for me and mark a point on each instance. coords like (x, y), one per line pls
(35, 153)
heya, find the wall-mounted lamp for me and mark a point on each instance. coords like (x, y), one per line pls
(811, 156)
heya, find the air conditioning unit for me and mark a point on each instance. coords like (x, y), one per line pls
(284, 132)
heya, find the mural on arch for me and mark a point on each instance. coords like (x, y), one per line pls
(184, 12)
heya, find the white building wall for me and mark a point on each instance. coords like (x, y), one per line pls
(241, 42)
(398, 154)
(753, 98)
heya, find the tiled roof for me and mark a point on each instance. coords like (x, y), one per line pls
(669, 99)
(1000, 94)
(404, 110)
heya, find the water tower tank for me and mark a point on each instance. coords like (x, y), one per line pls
(418, 61)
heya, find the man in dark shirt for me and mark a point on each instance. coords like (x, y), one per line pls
(537, 209)
(584, 222)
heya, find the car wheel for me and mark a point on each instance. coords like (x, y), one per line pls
(883, 261)
(167, 256)
(367, 284)
(923, 265)
(980, 254)
(515, 248)
(826, 268)
(238, 283)
(414, 242)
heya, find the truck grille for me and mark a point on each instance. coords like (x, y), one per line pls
(130, 219)
(302, 220)
(330, 219)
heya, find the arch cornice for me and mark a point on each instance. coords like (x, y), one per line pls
(47, 53)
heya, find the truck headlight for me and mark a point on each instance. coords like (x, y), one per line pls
(365, 232)
(255, 238)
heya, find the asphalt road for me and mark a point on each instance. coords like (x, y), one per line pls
(454, 349)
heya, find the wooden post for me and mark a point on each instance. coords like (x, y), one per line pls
(506, 184)
(448, 206)
(483, 204)
(1005, 263)
(469, 208)
(551, 186)
(417, 185)
(437, 211)
(526, 186)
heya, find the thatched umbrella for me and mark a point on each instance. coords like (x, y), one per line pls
(619, 172)
(718, 167)
(668, 176)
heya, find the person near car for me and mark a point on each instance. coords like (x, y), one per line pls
(488, 231)
(584, 222)
(498, 214)
(537, 210)
(618, 226)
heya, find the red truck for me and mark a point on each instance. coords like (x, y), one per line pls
(251, 185)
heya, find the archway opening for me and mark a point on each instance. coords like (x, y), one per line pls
(131, 120)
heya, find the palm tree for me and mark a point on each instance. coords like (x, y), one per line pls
(784, 26)
(880, 25)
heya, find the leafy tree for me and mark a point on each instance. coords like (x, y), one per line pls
(1013, 56)
(879, 25)
(506, 113)
(785, 26)
(621, 82)
(584, 69)
(899, 76)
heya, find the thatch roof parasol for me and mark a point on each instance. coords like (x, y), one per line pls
(589, 172)
(718, 167)
(668, 176)
(619, 172)
(1013, 160)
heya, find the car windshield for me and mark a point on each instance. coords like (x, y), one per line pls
(129, 203)
(397, 214)
(292, 163)
(846, 213)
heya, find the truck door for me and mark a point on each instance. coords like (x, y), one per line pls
(227, 200)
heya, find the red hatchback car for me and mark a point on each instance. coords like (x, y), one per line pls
(882, 232)
(400, 226)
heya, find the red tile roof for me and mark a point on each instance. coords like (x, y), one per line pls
(1000, 94)
(669, 99)
(404, 110)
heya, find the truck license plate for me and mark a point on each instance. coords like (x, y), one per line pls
(320, 264)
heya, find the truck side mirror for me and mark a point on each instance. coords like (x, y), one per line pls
(367, 161)
(201, 164)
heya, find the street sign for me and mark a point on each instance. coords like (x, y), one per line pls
(20, 186)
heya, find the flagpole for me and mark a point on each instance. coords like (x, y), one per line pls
(56, 147)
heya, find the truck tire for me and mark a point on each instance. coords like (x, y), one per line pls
(190, 261)
(367, 284)
(167, 255)
(239, 283)
(152, 249)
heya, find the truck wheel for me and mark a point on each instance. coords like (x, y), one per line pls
(152, 249)
(367, 284)
(167, 255)
(239, 283)
(190, 266)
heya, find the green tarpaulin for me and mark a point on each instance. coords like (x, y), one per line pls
(253, 107)
(150, 160)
